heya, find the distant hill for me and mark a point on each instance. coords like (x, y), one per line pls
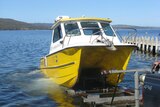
(135, 27)
(11, 24)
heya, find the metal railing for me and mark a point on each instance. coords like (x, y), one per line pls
(132, 33)
(99, 33)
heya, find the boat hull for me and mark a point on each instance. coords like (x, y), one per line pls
(68, 67)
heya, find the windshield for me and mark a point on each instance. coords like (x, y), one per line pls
(107, 29)
(72, 29)
(90, 28)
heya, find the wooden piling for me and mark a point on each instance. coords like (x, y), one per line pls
(148, 44)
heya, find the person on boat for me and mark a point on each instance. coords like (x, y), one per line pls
(156, 66)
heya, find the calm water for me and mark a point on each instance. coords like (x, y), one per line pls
(22, 84)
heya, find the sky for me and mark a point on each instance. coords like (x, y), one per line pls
(130, 12)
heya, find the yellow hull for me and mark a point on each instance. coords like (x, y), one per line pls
(65, 67)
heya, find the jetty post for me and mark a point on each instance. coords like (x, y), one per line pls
(136, 79)
(147, 44)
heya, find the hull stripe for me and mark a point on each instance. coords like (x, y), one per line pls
(54, 67)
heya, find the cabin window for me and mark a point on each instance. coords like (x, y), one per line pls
(107, 29)
(72, 29)
(90, 28)
(57, 34)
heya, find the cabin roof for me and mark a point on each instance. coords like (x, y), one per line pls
(82, 19)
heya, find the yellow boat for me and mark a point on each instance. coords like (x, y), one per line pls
(82, 52)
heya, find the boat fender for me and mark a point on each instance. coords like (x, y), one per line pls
(45, 61)
(155, 67)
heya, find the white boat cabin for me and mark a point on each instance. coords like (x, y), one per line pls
(72, 32)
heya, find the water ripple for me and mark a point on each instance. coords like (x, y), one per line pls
(22, 84)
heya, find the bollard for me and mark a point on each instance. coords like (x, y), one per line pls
(136, 89)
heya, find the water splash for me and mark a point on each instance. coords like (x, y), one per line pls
(28, 88)
(52, 90)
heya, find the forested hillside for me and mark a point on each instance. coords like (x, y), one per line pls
(10, 24)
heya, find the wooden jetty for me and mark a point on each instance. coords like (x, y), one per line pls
(144, 43)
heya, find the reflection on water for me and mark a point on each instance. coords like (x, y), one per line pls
(61, 98)
(55, 92)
